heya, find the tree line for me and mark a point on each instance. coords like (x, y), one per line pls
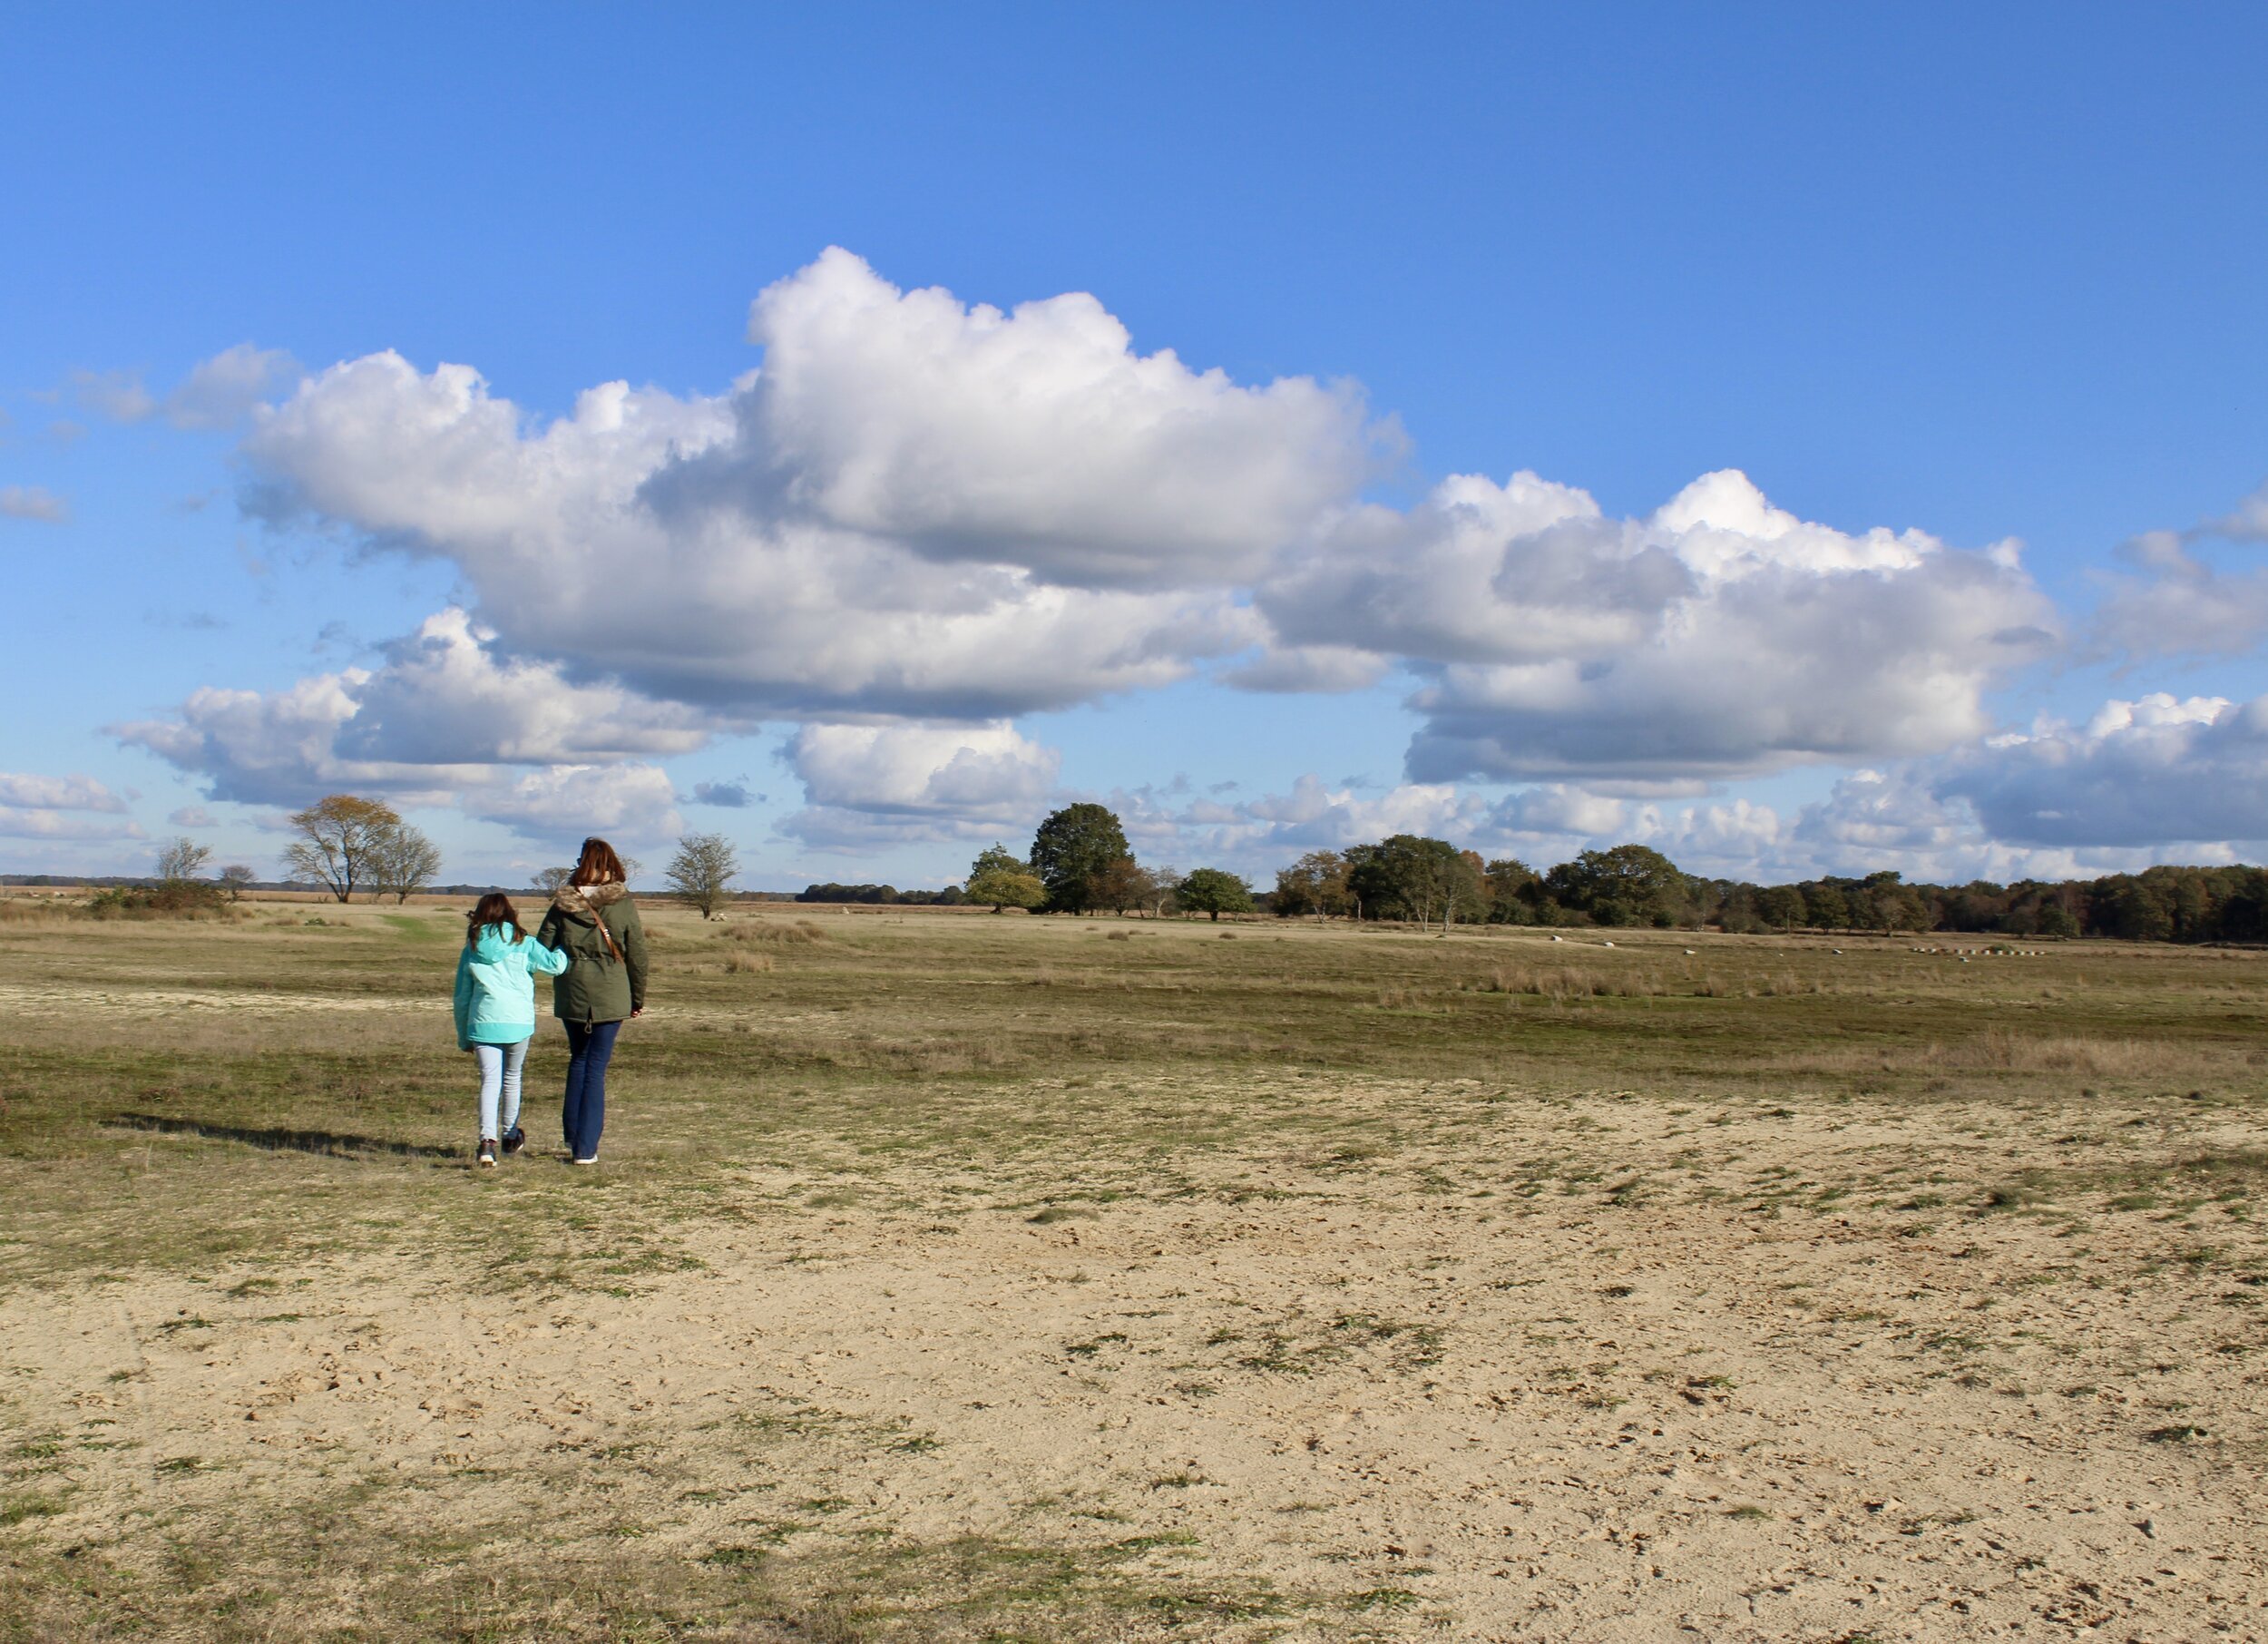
(1408, 878)
(1079, 862)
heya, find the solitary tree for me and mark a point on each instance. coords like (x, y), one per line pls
(1007, 887)
(1215, 891)
(338, 841)
(402, 862)
(1073, 846)
(996, 858)
(236, 879)
(701, 872)
(549, 880)
(182, 860)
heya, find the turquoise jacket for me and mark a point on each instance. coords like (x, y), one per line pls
(495, 987)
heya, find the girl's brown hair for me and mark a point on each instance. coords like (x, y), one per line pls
(598, 866)
(495, 908)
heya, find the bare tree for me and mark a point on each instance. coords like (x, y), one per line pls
(182, 860)
(236, 879)
(402, 862)
(702, 869)
(338, 840)
(551, 880)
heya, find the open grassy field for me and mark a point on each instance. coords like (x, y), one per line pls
(961, 1277)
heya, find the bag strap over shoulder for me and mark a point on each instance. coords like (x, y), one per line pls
(598, 917)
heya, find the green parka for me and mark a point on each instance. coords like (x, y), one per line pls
(596, 927)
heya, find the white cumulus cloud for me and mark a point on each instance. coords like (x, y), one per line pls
(1719, 636)
(915, 508)
(73, 807)
(445, 715)
(58, 793)
(635, 801)
(882, 783)
(2155, 770)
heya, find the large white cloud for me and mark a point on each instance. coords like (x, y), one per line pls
(878, 784)
(445, 696)
(1037, 438)
(913, 508)
(634, 800)
(1720, 636)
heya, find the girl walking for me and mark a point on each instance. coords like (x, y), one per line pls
(495, 1014)
(592, 920)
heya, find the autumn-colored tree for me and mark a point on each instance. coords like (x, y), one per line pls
(1120, 884)
(1316, 884)
(338, 841)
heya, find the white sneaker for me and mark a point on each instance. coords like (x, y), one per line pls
(593, 1159)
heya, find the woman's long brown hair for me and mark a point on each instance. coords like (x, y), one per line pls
(599, 865)
(495, 908)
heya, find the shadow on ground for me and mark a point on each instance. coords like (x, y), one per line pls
(277, 1139)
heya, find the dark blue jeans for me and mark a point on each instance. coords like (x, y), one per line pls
(590, 1046)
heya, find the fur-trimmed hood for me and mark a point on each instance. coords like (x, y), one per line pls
(582, 901)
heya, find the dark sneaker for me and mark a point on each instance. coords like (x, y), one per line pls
(486, 1157)
(515, 1140)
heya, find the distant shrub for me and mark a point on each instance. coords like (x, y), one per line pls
(173, 899)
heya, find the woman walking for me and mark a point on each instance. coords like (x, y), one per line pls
(592, 920)
(495, 1014)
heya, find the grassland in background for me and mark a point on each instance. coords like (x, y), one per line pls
(259, 1111)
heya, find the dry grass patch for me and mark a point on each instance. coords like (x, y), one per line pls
(798, 933)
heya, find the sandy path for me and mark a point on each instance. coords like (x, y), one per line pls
(1510, 1419)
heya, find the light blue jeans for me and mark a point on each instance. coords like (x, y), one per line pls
(500, 1083)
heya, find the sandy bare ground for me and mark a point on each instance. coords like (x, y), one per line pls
(1569, 1369)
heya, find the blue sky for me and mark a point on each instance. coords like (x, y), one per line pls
(930, 571)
